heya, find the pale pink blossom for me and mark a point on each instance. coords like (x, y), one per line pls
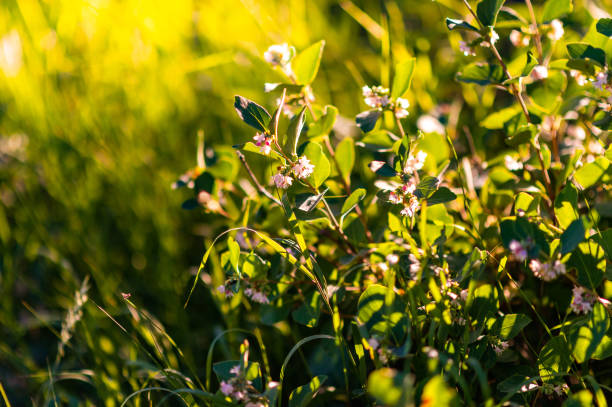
(224, 290)
(395, 198)
(409, 187)
(539, 72)
(392, 259)
(376, 96)
(601, 80)
(415, 163)
(411, 208)
(518, 39)
(582, 302)
(401, 106)
(303, 168)
(282, 181)
(580, 79)
(519, 251)
(264, 143)
(556, 30)
(466, 49)
(235, 370)
(500, 347)
(226, 388)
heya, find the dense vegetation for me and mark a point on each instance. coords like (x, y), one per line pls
(405, 203)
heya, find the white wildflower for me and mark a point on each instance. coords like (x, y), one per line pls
(500, 347)
(395, 198)
(512, 164)
(279, 54)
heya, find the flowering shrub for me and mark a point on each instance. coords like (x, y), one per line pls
(429, 276)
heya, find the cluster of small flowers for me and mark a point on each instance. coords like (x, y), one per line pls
(519, 39)
(384, 355)
(582, 302)
(391, 260)
(556, 30)
(264, 143)
(558, 389)
(601, 80)
(401, 108)
(579, 77)
(539, 72)
(302, 169)
(256, 296)
(466, 49)
(240, 389)
(376, 96)
(519, 249)
(227, 291)
(415, 163)
(547, 271)
(280, 55)
(500, 347)
(493, 37)
(512, 164)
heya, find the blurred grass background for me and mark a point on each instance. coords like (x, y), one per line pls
(100, 104)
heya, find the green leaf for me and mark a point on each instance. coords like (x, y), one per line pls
(590, 262)
(566, 205)
(554, 359)
(308, 313)
(572, 236)
(481, 73)
(426, 187)
(487, 11)
(377, 308)
(442, 195)
(190, 204)
(353, 199)
(604, 26)
(305, 65)
(482, 303)
(527, 203)
(529, 64)
(303, 395)
(582, 50)
(452, 24)
(556, 9)
(325, 124)
(307, 202)
(584, 340)
(402, 78)
(382, 168)
(366, 121)
(589, 174)
(251, 113)
(293, 133)
(345, 157)
(314, 153)
(583, 398)
(604, 349)
(437, 393)
(388, 386)
(510, 325)
(497, 119)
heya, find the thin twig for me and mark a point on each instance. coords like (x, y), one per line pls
(534, 29)
(254, 179)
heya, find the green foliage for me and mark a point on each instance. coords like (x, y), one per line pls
(448, 244)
